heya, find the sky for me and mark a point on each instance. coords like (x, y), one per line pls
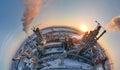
(57, 12)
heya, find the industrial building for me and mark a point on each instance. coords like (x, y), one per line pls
(62, 48)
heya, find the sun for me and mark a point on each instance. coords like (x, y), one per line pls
(84, 28)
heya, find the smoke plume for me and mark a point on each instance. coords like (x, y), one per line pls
(114, 25)
(32, 9)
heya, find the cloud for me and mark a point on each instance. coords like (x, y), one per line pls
(114, 25)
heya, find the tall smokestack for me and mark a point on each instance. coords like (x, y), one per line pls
(114, 25)
(32, 9)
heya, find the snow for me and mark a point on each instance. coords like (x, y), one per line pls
(53, 43)
(68, 63)
(53, 50)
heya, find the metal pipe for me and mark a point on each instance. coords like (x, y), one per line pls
(101, 34)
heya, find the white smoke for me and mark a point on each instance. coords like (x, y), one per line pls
(114, 25)
(32, 9)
